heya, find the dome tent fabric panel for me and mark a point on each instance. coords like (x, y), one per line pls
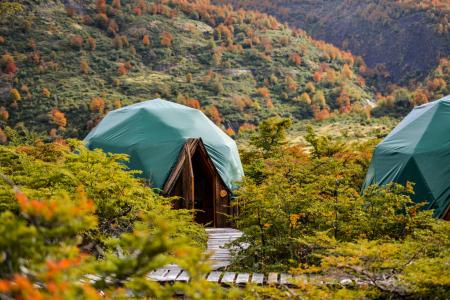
(153, 132)
(418, 150)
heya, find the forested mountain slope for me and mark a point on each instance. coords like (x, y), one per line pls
(66, 63)
(405, 38)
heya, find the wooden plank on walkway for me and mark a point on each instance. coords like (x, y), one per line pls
(172, 274)
(228, 277)
(158, 274)
(285, 279)
(184, 276)
(242, 278)
(214, 276)
(272, 278)
(258, 278)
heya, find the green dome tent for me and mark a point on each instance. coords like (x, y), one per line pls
(154, 132)
(418, 150)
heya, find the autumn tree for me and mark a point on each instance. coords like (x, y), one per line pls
(58, 118)
(192, 102)
(317, 76)
(92, 44)
(419, 97)
(291, 84)
(100, 6)
(102, 20)
(310, 87)
(146, 40)
(97, 105)
(230, 131)
(8, 64)
(117, 104)
(122, 69)
(116, 4)
(346, 72)
(4, 114)
(113, 27)
(46, 92)
(84, 67)
(263, 92)
(319, 99)
(76, 41)
(295, 59)
(165, 39)
(304, 97)
(15, 95)
(214, 114)
(344, 102)
(321, 114)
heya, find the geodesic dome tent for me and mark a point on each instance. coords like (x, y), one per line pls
(418, 150)
(178, 149)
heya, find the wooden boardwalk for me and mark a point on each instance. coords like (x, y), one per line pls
(217, 239)
(220, 257)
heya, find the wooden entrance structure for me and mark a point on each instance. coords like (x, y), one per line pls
(195, 179)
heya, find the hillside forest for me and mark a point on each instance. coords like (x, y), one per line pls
(305, 106)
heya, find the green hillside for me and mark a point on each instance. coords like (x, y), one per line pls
(66, 63)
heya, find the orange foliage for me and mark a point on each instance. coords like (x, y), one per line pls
(194, 103)
(92, 43)
(230, 131)
(246, 127)
(291, 84)
(113, 27)
(165, 39)
(122, 69)
(146, 40)
(295, 58)
(346, 72)
(46, 92)
(10, 65)
(317, 76)
(419, 97)
(4, 114)
(58, 118)
(284, 41)
(116, 4)
(214, 114)
(84, 67)
(35, 57)
(76, 41)
(137, 11)
(97, 105)
(53, 133)
(100, 6)
(344, 102)
(117, 104)
(322, 114)
(102, 19)
(269, 103)
(15, 95)
(263, 91)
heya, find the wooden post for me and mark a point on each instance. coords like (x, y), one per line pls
(188, 179)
